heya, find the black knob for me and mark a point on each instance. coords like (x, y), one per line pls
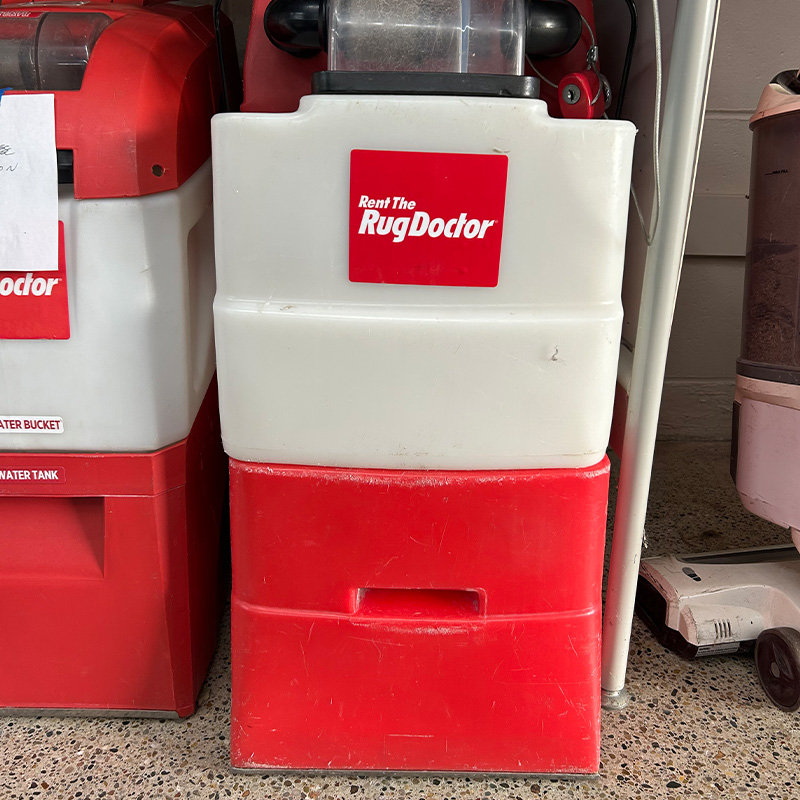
(553, 28)
(299, 27)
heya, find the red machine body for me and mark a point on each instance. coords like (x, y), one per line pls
(109, 575)
(416, 620)
(109, 561)
(142, 129)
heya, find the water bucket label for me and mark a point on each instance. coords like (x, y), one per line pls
(431, 219)
(10, 424)
(34, 305)
(33, 475)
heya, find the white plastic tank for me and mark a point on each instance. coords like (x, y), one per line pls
(319, 366)
(132, 375)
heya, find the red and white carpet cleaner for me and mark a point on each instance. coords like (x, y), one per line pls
(418, 320)
(112, 477)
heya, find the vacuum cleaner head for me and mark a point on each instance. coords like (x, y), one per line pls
(711, 603)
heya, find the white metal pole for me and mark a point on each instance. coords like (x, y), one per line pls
(690, 66)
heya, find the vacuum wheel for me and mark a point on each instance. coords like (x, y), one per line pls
(778, 666)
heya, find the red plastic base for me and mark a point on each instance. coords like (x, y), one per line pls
(109, 574)
(445, 621)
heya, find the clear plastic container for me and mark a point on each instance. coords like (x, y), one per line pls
(477, 36)
(771, 319)
(48, 51)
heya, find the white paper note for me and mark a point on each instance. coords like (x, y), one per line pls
(28, 183)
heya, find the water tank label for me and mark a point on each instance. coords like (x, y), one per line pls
(432, 219)
(34, 305)
(30, 475)
(31, 425)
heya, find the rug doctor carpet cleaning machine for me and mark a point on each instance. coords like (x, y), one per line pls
(112, 478)
(417, 320)
(737, 601)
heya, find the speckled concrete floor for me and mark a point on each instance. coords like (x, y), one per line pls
(693, 729)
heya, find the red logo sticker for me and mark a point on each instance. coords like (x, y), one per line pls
(430, 219)
(34, 305)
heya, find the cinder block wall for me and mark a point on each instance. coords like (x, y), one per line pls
(756, 40)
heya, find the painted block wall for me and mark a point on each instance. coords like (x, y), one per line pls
(755, 41)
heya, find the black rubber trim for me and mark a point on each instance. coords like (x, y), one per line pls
(64, 162)
(651, 607)
(458, 84)
(767, 372)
